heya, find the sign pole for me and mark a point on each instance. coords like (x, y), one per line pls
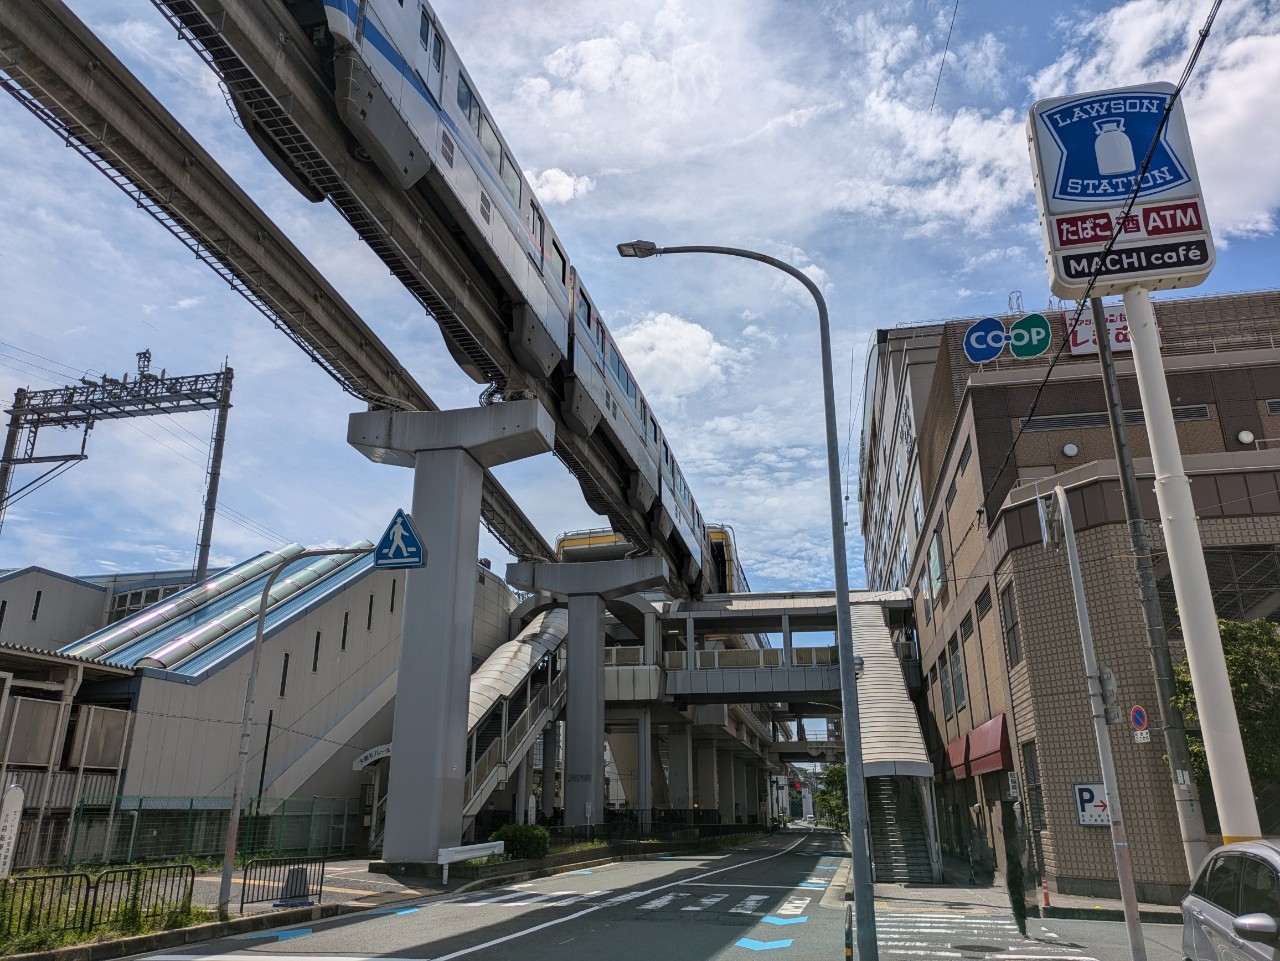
(1218, 724)
(1119, 837)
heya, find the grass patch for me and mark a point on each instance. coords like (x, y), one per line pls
(44, 939)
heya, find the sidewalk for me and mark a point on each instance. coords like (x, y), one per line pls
(346, 882)
(955, 894)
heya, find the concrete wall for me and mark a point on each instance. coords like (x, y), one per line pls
(68, 609)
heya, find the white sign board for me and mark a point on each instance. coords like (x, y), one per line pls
(1084, 339)
(1091, 805)
(1087, 152)
(10, 824)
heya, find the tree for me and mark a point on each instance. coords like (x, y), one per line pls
(1253, 666)
(832, 798)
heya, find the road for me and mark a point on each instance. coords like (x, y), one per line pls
(781, 896)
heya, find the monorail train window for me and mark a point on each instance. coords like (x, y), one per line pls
(437, 53)
(467, 101)
(489, 140)
(559, 265)
(511, 177)
(583, 311)
(424, 31)
(653, 428)
(535, 226)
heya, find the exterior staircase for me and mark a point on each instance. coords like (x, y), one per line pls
(899, 838)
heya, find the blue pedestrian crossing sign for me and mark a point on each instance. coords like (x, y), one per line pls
(400, 546)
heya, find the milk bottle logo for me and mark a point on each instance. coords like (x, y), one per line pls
(1112, 149)
(1092, 146)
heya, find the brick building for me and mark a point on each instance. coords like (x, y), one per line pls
(949, 511)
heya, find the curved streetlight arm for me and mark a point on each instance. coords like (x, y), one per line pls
(859, 838)
(246, 726)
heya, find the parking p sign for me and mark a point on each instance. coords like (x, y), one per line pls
(1091, 805)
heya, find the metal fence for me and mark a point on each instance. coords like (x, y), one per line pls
(124, 898)
(282, 879)
(129, 829)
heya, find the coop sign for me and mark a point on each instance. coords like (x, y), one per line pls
(1028, 337)
(1091, 154)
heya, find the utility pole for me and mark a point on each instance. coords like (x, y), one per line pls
(1195, 847)
(1119, 837)
(215, 474)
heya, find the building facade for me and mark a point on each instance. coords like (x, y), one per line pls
(1002, 692)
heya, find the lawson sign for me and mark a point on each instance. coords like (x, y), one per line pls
(987, 339)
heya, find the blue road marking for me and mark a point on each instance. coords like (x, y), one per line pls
(770, 919)
(810, 884)
(828, 867)
(579, 872)
(277, 935)
(752, 945)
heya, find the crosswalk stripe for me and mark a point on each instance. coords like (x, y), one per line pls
(794, 906)
(749, 904)
(539, 897)
(579, 897)
(501, 897)
(706, 902)
(661, 902)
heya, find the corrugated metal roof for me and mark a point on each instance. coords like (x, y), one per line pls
(891, 738)
(508, 666)
(278, 616)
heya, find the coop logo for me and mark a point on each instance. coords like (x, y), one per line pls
(1028, 337)
(1103, 139)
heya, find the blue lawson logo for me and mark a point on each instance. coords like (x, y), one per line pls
(1104, 139)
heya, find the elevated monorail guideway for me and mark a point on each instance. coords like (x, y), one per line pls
(282, 77)
(54, 65)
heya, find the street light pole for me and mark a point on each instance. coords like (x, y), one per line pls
(237, 797)
(863, 889)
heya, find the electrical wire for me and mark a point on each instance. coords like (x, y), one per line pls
(945, 48)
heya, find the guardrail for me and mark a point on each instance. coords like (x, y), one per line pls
(770, 657)
(121, 897)
(282, 879)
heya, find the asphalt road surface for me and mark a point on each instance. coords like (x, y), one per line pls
(781, 897)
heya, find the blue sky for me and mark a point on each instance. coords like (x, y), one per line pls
(806, 131)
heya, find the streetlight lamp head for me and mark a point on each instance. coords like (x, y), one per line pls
(638, 248)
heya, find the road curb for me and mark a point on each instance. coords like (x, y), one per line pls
(1110, 914)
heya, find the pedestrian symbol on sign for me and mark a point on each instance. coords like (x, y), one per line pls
(399, 546)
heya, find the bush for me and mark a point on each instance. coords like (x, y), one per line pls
(524, 840)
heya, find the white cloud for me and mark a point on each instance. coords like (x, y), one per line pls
(554, 186)
(674, 358)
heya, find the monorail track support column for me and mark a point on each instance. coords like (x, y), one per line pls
(449, 452)
(588, 586)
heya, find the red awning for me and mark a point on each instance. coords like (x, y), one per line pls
(989, 747)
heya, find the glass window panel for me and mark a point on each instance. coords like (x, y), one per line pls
(1224, 883)
(1259, 889)
(511, 177)
(489, 140)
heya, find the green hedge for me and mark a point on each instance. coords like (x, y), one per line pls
(524, 840)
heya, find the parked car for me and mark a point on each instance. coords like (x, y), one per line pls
(1232, 912)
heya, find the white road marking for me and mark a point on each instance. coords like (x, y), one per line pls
(706, 902)
(579, 897)
(794, 906)
(539, 897)
(749, 904)
(661, 902)
(501, 897)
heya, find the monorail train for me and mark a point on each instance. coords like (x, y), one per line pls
(411, 106)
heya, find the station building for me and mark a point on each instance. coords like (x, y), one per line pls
(949, 511)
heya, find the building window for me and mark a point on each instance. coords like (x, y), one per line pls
(393, 595)
(346, 619)
(951, 492)
(915, 510)
(957, 671)
(315, 655)
(368, 621)
(284, 673)
(4, 606)
(966, 627)
(983, 605)
(944, 676)
(966, 454)
(35, 608)
(1009, 614)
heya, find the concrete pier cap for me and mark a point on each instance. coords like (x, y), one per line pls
(492, 435)
(604, 579)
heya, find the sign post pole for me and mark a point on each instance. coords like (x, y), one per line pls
(1219, 727)
(1119, 837)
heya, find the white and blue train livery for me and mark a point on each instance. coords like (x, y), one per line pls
(412, 108)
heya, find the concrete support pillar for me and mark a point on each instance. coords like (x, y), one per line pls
(652, 646)
(449, 451)
(690, 655)
(788, 657)
(740, 787)
(753, 790)
(550, 748)
(587, 586)
(724, 778)
(708, 794)
(644, 767)
(521, 804)
(680, 766)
